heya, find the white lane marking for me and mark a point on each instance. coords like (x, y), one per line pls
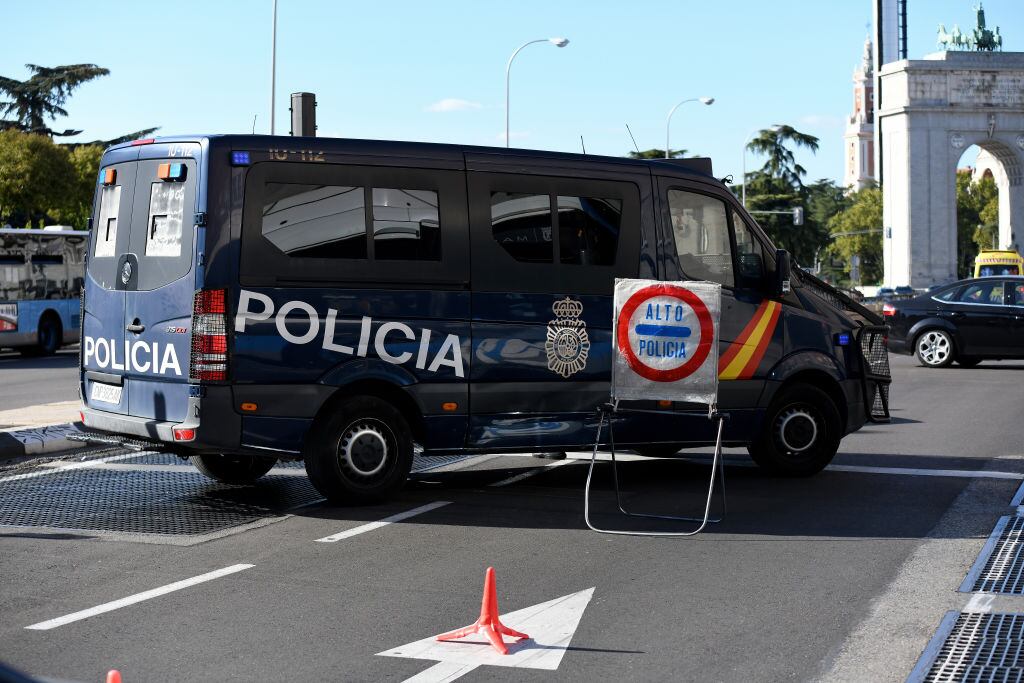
(550, 625)
(1018, 497)
(442, 672)
(532, 472)
(138, 597)
(72, 466)
(913, 471)
(384, 522)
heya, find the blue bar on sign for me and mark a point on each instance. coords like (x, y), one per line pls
(679, 332)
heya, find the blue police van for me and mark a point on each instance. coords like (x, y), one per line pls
(251, 299)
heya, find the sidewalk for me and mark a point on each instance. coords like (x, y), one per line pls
(39, 429)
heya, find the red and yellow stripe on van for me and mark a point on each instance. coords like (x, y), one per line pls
(741, 359)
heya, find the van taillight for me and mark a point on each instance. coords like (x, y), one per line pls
(888, 310)
(209, 359)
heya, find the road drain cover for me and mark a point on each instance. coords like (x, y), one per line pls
(981, 647)
(1003, 571)
(137, 498)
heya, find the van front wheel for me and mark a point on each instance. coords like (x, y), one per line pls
(233, 469)
(361, 453)
(801, 432)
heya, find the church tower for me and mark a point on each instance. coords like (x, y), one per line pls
(859, 140)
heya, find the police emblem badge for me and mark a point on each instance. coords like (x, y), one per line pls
(567, 344)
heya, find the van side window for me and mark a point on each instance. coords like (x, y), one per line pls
(588, 230)
(701, 231)
(106, 227)
(521, 224)
(315, 221)
(406, 224)
(166, 211)
(749, 252)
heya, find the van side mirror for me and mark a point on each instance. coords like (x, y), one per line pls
(783, 270)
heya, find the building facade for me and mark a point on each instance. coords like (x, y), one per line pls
(859, 139)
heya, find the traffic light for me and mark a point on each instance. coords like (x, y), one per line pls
(798, 215)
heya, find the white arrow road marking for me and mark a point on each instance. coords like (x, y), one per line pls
(362, 529)
(138, 597)
(551, 626)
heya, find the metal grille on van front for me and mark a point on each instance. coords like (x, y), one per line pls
(209, 358)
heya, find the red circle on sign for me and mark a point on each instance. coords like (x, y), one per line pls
(707, 333)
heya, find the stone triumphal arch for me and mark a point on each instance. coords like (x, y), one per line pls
(931, 110)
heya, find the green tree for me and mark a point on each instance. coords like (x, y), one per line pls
(824, 199)
(656, 153)
(36, 177)
(857, 231)
(775, 143)
(41, 97)
(778, 186)
(77, 205)
(977, 219)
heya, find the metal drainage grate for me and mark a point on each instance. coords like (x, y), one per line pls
(138, 501)
(1000, 566)
(981, 646)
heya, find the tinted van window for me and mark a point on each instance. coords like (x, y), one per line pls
(106, 226)
(315, 221)
(406, 224)
(521, 224)
(166, 209)
(588, 230)
(701, 232)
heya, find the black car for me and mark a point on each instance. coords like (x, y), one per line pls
(967, 321)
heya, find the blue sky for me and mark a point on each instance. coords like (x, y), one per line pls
(385, 69)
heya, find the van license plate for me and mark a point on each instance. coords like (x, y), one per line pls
(107, 393)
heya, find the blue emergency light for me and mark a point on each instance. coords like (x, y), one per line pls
(843, 339)
(239, 158)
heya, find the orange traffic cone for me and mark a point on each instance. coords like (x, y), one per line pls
(489, 623)
(113, 676)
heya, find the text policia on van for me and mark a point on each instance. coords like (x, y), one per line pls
(140, 356)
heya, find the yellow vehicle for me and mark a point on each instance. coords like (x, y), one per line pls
(998, 262)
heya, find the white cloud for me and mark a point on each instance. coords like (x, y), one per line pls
(453, 104)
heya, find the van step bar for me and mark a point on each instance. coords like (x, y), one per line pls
(100, 438)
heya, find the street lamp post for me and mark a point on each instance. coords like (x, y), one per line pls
(668, 119)
(557, 42)
(273, 67)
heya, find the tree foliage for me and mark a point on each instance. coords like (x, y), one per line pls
(41, 97)
(857, 231)
(775, 143)
(977, 219)
(36, 178)
(656, 153)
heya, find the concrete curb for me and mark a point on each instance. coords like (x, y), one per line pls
(39, 440)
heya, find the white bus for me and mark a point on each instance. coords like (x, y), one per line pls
(41, 278)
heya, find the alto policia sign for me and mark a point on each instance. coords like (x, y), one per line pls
(666, 341)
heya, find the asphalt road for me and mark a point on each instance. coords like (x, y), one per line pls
(843, 576)
(31, 381)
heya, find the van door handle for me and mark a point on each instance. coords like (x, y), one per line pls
(136, 327)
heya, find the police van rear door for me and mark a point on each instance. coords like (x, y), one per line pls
(160, 291)
(103, 323)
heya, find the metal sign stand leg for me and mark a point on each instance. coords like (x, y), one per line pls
(717, 468)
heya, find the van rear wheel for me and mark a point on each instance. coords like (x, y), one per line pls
(361, 453)
(801, 432)
(233, 469)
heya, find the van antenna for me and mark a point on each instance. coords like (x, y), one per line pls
(254, 123)
(582, 145)
(633, 139)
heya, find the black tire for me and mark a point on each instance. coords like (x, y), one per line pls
(233, 469)
(967, 361)
(658, 450)
(361, 452)
(801, 432)
(934, 348)
(49, 334)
